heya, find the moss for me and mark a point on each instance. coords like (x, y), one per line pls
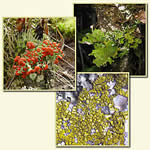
(109, 129)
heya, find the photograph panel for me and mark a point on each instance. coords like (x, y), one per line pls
(39, 54)
(97, 114)
(112, 38)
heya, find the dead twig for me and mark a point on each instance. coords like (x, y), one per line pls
(68, 63)
(62, 39)
(62, 78)
(59, 80)
(11, 81)
(66, 75)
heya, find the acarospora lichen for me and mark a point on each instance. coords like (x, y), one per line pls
(96, 114)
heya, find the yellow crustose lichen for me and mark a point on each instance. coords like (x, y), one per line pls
(88, 123)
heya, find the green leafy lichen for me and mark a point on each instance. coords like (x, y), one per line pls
(112, 44)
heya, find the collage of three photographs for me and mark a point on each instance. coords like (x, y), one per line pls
(87, 60)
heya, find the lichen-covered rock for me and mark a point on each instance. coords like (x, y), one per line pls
(91, 115)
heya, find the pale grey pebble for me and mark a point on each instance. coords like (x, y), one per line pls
(68, 96)
(93, 131)
(70, 107)
(75, 140)
(85, 80)
(90, 142)
(111, 85)
(93, 77)
(91, 94)
(62, 143)
(111, 92)
(120, 102)
(126, 138)
(105, 110)
(79, 110)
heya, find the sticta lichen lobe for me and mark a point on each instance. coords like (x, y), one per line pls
(94, 119)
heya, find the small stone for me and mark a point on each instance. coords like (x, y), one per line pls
(111, 84)
(105, 110)
(111, 92)
(90, 142)
(120, 102)
(62, 143)
(93, 131)
(92, 94)
(75, 140)
(70, 107)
